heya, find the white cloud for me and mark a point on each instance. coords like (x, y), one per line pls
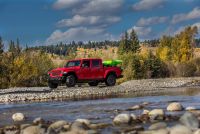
(78, 20)
(142, 32)
(78, 34)
(147, 4)
(99, 7)
(151, 21)
(194, 14)
(61, 4)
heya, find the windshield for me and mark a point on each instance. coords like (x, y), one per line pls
(73, 63)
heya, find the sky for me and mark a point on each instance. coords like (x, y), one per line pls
(46, 22)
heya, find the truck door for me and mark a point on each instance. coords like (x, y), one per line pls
(96, 69)
(85, 72)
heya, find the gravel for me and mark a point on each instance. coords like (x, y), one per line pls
(133, 88)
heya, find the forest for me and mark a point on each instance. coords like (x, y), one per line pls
(169, 56)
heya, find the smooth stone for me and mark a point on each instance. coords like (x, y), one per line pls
(122, 119)
(136, 107)
(33, 130)
(197, 131)
(18, 117)
(180, 129)
(159, 125)
(99, 126)
(175, 106)
(190, 120)
(145, 112)
(159, 131)
(133, 116)
(190, 108)
(58, 124)
(85, 121)
(158, 112)
(38, 120)
(79, 126)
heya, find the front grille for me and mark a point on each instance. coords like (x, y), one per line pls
(56, 73)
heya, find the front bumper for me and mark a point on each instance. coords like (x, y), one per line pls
(57, 79)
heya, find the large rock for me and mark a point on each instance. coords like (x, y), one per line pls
(179, 129)
(122, 119)
(33, 130)
(158, 112)
(159, 125)
(175, 106)
(18, 117)
(190, 120)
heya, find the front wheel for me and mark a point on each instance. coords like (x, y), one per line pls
(52, 85)
(93, 83)
(70, 81)
(110, 80)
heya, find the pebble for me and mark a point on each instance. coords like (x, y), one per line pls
(175, 106)
(18, 117)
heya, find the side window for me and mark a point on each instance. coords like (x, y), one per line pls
(86, 64)
(95, 63)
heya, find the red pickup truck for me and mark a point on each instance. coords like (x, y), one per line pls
(91, 71)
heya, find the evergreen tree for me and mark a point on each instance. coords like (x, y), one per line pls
(134, 42)
(1, 45)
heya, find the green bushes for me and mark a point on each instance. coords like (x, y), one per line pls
(27, 68)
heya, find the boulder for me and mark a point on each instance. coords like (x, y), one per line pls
(190, 120)
(180, 129)
(122, 119)
(159, 125)
(18, 117)
(33, 130)
(175, 106)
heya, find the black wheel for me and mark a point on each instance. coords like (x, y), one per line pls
(110, 80)
(52, 85)
(93, 83)
(70, 81)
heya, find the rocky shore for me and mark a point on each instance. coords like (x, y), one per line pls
(155, 121)
(133, 88)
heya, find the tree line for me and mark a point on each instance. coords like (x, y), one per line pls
(21, 67)
(174, 56)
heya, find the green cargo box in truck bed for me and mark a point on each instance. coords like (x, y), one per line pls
(112, 62)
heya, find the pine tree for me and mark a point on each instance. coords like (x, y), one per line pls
(134, 42)
(1, 45)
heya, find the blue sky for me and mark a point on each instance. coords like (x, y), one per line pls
(45, 22)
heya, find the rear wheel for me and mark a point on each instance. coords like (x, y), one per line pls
(93, 83)
(70, 81)
(52, 85)
(110, 80)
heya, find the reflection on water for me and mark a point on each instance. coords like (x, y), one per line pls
(101, 110)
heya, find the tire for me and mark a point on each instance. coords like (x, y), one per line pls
(110, 80)
(52, 85)
(70, 81)
(93, 83)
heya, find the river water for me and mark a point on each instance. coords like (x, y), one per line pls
(102, 110)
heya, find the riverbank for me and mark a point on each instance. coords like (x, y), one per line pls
(134, 88)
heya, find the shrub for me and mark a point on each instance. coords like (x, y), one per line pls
(186, 69)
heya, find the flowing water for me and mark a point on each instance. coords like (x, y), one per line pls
(102, 110)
